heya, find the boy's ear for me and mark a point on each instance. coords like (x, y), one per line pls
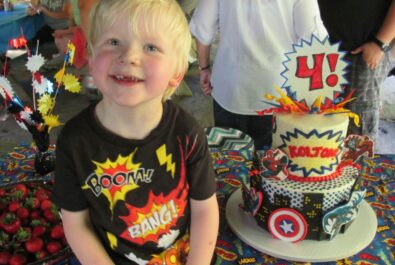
(175, 81)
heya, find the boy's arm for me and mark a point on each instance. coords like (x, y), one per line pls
(204, 230)
(82, 238)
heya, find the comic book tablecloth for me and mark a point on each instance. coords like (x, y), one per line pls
(231, 167)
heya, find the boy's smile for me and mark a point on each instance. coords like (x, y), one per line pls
(126, 79)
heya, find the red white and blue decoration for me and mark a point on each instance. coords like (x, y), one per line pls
(288, 225)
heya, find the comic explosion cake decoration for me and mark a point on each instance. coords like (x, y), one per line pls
(314, 73)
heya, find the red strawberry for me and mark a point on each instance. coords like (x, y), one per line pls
(44, 222)
(19, 191)
(18, 259)
(14, 206)
(38, 230)
(23, 234)
(53, 246)
(10, 222)
(3, 204)
(57, 232)
(32, 203)
(42, 254)
(34, 214)
(2, 193)
(42, 194)
(4, 240)
(22, 213)
(51, 215)
(34, 245)
(5, 257)
(46, 204)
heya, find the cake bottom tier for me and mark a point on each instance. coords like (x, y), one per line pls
(304, 202)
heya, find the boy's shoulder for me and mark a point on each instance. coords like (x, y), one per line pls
(79, 122)
(180, 115)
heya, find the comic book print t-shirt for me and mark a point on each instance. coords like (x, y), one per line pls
(137, 191)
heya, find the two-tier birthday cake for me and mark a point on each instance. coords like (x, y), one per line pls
(306, 186)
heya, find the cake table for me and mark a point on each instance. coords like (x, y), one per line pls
(231, 167)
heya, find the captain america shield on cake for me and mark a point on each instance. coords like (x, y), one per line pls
(288, 225)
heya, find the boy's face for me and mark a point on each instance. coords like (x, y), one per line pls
(132, 70)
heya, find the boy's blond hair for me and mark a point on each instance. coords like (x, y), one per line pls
(145, 16)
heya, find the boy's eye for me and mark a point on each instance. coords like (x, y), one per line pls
(150, 48)
(113, 42)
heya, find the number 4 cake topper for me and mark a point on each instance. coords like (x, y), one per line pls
(314, 69)
(314, 81)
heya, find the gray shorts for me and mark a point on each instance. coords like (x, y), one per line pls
(367, 84)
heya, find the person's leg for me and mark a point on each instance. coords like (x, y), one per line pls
(44, 35)
(260, 128)
(226, 119)
(367, 84)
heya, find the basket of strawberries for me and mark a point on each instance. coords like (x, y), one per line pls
(31, 230)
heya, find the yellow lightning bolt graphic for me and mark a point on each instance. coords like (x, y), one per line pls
(164, 158)
(112, 239)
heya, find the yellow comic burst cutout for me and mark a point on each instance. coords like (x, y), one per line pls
(71, 83)
(59, 75)
(45, 104)
(52, 121)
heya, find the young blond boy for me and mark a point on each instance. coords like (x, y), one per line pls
(133, 176)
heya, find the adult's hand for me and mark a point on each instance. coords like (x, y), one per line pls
(43, 9)
(205, 83)
(371, 54)
(31, 10)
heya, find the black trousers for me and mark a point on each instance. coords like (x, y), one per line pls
(258, 127)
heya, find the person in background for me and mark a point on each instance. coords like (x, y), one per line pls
(58, 14)
(253, 37)
(63, 36)
(133, 175)
(76, 34)
(366, 34)
(392, 58)
(81, 9)
(85, 7)
(10, 5)
(187, 6)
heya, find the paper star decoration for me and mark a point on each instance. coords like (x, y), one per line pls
(40, 119)
(35, 62)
